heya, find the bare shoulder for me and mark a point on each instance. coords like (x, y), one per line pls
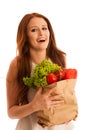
(12, 70)
(13, 62)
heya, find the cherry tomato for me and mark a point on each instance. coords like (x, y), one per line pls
(57, 74)
(60, 74)
(51, 78)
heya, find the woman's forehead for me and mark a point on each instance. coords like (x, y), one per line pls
(36, 21)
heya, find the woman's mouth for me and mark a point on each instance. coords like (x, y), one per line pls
(41, 40)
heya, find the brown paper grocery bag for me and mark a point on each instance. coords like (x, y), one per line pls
(65, 112)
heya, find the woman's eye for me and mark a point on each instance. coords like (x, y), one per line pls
(44, 28)
(34, 30)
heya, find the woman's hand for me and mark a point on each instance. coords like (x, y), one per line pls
(45, 101)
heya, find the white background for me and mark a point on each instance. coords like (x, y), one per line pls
(69, 21)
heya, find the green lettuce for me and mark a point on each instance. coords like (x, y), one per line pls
(39, 74)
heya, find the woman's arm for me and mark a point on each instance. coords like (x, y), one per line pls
(39, 102)
(12, 90)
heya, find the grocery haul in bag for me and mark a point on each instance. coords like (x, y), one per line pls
(48, 75)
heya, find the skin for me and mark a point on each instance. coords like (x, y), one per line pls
(37, 30)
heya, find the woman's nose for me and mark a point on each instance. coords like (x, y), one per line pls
(40, 32)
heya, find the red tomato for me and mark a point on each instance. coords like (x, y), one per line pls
(60, 74)
(51, 78)
(57, 74)
(70, 73)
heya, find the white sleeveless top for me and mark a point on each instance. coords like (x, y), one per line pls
(30, 122)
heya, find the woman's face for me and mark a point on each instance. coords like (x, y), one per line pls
(38, 33)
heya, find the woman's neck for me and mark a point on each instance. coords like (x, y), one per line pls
(38, 56)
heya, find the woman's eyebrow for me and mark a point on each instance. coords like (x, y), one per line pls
(37, 26)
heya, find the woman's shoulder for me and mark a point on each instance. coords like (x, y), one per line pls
(13, 62)
(12, 70)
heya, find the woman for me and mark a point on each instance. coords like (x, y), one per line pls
(35, 42)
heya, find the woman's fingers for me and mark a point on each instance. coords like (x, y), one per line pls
(56, 103)
(48, 99)
(58, 97)
(51, 91)
(39, 91)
